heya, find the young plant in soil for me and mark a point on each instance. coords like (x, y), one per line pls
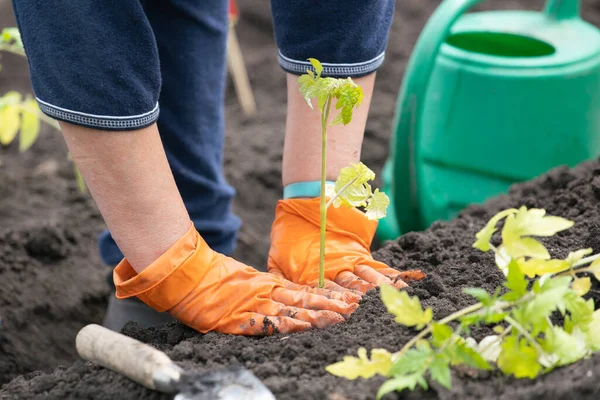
(351, 187)
(539, 323)
(20, 114)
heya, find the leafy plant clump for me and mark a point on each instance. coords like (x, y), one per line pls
(539, 323)
(20, 115)
(351, 187)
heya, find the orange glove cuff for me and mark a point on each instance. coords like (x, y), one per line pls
(169, 279)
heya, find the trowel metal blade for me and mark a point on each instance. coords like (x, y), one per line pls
(226, 384)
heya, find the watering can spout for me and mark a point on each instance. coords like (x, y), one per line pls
(563, 9)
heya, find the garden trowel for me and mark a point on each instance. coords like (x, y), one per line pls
(154, 369)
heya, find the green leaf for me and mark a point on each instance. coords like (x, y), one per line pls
(480, 294)
(498, 329)
(349, 96)
(582, 285)
(534, 222)
(346, 115)
(11, 35)
(440, 372)
(415, 359)
(30, 125)
(531, 222)
(591, 332)
(306, 83)
(564, 348)
(351, 185)
(10, 98)
(354, 367)
(485, 235)
(518, 247)
(440, 333)
(543, 304)
(594, 268)
(576, 256)
(518, 358)
(515, 283)
(9, 123)
(377, 205)
(316, 65)
(580, 311)
(322, 98)
(338, 120)
(406, 309)
(401, 383)
(557, 282)
(535, 266)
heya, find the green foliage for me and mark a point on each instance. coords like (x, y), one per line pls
(527, 343)
(347, 94)
(10, 41)
(21, 115)
(353, 367)
(351, 188)
(406, 309)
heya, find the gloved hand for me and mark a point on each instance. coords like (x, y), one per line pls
(294, 253)
(210, 292)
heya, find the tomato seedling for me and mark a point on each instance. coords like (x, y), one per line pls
(526, 343)
(351, 187)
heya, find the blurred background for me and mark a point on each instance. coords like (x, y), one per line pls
(51, 279)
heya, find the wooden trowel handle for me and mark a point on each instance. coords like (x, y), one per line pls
(137, 361)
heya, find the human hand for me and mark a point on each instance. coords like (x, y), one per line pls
(294, 253)
(211, 292)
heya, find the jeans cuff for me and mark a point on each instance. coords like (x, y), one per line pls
(103, 122)
(298, 67)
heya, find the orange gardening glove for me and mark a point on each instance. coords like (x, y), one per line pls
(210, 292)
(294, 250)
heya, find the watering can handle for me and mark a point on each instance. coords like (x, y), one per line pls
(410, 106)
(563, 9)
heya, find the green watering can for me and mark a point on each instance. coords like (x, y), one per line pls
(490, 99)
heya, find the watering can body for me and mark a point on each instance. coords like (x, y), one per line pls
(490, 99)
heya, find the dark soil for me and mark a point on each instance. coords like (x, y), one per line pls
(52, 282)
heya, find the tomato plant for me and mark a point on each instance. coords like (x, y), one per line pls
(351, 187)
(527, 341)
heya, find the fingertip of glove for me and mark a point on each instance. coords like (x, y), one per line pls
(413, 275)
(328, 318)
(352, 297)
(352, 307)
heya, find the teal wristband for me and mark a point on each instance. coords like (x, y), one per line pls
(304, 189)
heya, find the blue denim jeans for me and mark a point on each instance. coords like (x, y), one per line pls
(109, 64)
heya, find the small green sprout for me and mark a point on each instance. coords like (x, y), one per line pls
(351, 188)
(526, 342)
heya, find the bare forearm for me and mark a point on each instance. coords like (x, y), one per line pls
(302, 150)
(130, 179)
